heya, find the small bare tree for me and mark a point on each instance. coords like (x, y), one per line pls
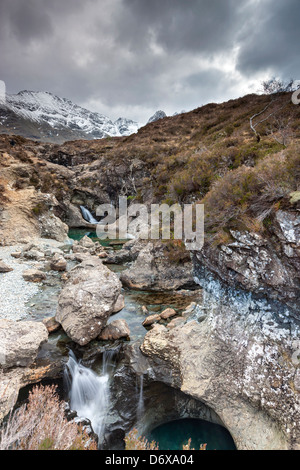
(273, 87)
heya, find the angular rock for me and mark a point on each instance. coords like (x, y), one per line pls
(151, 319)
(168, 313)
(34, 275)
(20, 342)
(86, 242)
(120, 304)
(87, 300)
(117, 329)
(154, 271)
(51, 324)
(4, 268)
(58, 263)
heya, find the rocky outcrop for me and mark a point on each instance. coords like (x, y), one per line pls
(239, 357)
(152, 270)
(87, 300)
(20, 343)
(28, 216)
(127, 254)
(260, 264)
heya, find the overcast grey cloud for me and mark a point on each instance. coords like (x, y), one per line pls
(131, 57)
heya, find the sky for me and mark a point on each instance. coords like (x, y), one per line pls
(130, 58)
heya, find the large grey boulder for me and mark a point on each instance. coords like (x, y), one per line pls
(154, 270)
(87, 300)
(20, 342)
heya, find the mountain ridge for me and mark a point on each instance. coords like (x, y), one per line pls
(46, 117)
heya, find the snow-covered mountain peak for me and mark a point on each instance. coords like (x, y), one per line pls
(45, 109)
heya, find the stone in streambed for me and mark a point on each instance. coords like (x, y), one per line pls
(117, 329)
(34, 275)
(4, 268)
(51, 324)
(151, 319)
(58, 263)
(168, 313)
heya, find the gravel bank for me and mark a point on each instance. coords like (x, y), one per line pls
(14, 291)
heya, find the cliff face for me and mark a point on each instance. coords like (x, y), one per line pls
(239, 357)
(268, 266)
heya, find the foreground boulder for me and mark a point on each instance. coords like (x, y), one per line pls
(87, 300)
(20, 342)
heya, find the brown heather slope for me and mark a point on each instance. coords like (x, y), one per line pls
(207, 155)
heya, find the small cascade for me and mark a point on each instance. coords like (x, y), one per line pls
(88, 216)
(88, 393)
(140, 406)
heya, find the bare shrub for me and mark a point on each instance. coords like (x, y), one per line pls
(135, 442)
(42, 425)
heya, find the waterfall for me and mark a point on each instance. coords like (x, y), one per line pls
(88, 393)
(88, 216)
(140, 406)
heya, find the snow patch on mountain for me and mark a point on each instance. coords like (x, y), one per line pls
(61, 113)
(158, 115)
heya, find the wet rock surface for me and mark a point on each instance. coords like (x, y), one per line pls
(268, 266)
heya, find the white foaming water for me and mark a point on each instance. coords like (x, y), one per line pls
(88, 216)
(140, 406)
(88, 393)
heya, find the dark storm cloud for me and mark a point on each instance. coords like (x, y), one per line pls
(131, 57)
(273, 42)
(194, 25)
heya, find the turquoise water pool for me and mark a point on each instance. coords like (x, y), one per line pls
(175, 434)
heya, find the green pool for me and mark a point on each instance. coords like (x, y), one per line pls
(79, 233)
(175, 434)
